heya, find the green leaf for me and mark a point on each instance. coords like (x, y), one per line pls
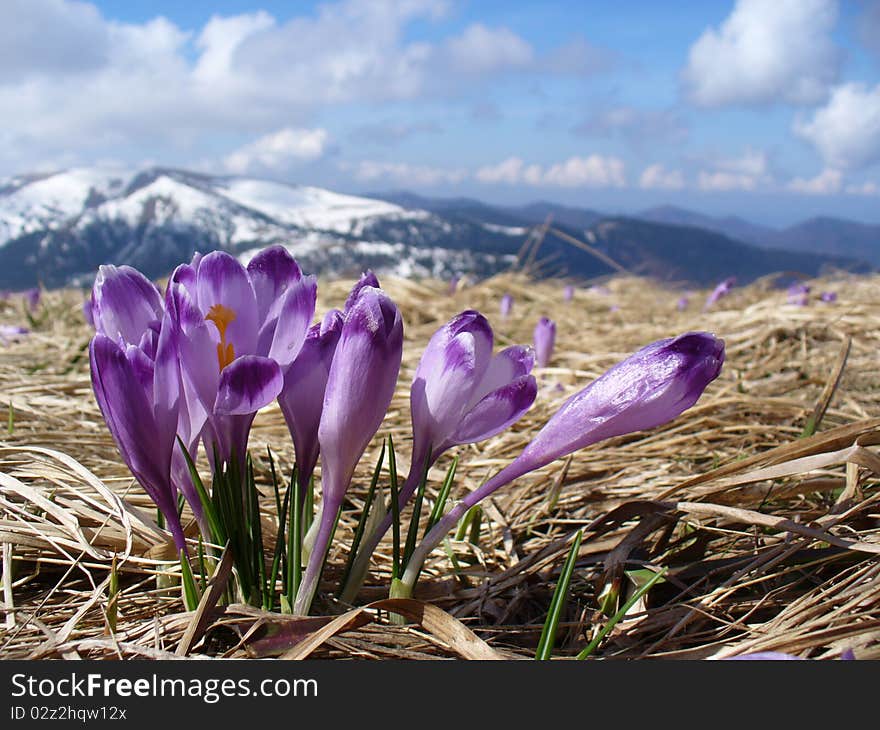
(395, 510)
(548, 633)
(413, 531)
(442, 497)
(612, 622)
(362, 521)
(190, 590)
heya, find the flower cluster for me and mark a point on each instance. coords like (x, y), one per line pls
(187, 369)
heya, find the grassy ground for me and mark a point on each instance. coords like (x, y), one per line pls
(770, 535)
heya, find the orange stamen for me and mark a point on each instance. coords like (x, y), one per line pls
(221, 317)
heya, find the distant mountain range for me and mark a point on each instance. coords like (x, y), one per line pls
(56, 229)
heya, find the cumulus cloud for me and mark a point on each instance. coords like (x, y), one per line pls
(846, 131)
(404, 173)
(827, 182)
(592, 171)
(765, 52)
(747, 172)
(153, 86)
(276, 151)
(657, 177)
(480, 49)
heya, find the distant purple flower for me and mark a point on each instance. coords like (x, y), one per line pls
(720, 291)
(360, 384)
(568, 293)
(453, 285)
(798, 294)
(10, 332)
(682, 303)
(614, 308)
(828, 296)
(32, 297)
(506, 305)
(545, 340)
(649, 388)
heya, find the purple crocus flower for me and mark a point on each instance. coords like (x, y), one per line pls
(9, 332)
(460, 394)
(568, 293)
(506, 305)
(765, 656)
(360, 384)
(32, 297)
(648, 389)
(236, 330)
(134, 376)
(722, 290)
(798, 294)
(682, 303)
(828, 296)
(302, 396)
(453, 285)
(545, 340)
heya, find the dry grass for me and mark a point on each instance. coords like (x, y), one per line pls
(770, 539)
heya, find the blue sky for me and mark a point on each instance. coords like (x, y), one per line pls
(769, 109)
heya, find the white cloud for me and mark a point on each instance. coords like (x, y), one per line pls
(403, 173)
(846, 131)
(765, 52)
(827, 182)
(592, 171)
(747, 172)
(480, 50)
(869, 187)
(276, 151)
(73, 82)
(657, 177)
(724, 181)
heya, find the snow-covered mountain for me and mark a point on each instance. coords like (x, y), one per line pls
(57, 228)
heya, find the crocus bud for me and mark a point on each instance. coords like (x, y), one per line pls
(828, 296)
(461, 394)
(360, 385)
(545, 340)
(682, 303)
(568, 293)
(722, 290)
(506, 305)
(453, 285)
(302, 396)
(649, 388)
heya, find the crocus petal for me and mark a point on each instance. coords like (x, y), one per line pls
(246, 385)
(272, 271)
(124, 303)
(494, 413)
(121, 396)
(302, 397)
(359, 386)
(455, 360)
(368, 278)
(766, 656)
(224, 282)
(508, 365)
(287, 331)
(649, 388)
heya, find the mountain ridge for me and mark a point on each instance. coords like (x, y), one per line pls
(57, 228)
